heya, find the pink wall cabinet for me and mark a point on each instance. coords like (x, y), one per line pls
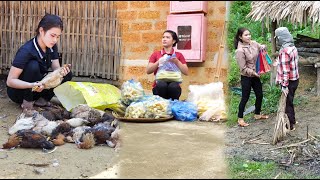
(188, 6)
(192, 33)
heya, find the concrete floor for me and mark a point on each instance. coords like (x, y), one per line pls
(171, 149)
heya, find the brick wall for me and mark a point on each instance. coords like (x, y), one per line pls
(143, 23)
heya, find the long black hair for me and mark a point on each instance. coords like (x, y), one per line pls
(174, 36)
(238, 35)
(50, 21)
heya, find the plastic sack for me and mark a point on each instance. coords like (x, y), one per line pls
(184, 111)
(131, 91)
(209, 99)
(136, 110)
(211, 110)
(96, 95)
(158, 108)
(169, 71)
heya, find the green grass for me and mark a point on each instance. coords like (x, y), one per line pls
(244, 169)
(240, 168)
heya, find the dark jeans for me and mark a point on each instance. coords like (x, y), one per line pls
(246, 84)
(31, 73)
(167, 90)
(293, 85)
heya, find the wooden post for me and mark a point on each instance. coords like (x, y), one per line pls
(317, 66)
(263, 33)
(273, 51)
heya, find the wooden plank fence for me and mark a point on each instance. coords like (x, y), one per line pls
(90, 40)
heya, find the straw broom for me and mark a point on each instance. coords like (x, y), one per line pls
(280, 130)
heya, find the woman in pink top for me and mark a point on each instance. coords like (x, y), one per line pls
(165, 89)
(246, 55)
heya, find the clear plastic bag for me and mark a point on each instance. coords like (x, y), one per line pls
(157, 107)
(136, 110)
(209, 99)
(169, 71)
(131, 91)
(184, 111)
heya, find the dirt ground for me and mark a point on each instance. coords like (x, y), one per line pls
(305, 158)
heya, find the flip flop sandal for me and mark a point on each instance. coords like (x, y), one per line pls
(241, 123)
(259, 117)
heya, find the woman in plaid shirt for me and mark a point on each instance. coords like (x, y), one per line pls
(287, 70)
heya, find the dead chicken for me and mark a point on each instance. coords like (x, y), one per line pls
(76, 122)
(13, 142)
(87, 141)
(59, 140)
(52, 79)
(77, 133)
(29, 139)
(54, 112)
(80, 111)
(114, 140)
(102, 132)
(24, 123)
(63, 128)
(86, 112)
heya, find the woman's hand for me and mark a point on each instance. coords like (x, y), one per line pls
(37, 86)
(256, 75)
(66, 69)
(263, 46)
(174, 60)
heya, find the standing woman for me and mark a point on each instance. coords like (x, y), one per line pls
(246, 55)
(31, 64)
(167, 90)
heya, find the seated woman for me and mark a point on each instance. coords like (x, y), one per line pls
(167, 89)
(32, 62)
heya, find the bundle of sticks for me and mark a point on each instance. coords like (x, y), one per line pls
(282, 125)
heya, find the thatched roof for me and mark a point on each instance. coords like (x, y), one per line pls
(295, 12)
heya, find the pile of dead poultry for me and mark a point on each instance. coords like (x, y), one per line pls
(48, 127)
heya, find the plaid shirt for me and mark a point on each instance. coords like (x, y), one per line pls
(287, 68)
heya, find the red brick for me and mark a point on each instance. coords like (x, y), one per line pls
(121, 5)
(152, 37)
(141, 48)
(210, 12)
(213, 36)
(161, 25)
(136, 71)
(162, 4)
(125, 27)
(147, 85)
(158, 47)
(131, 37)
(141, 26)
(149, 15)
(216, 23)
(127, 15)
(222, 10)
(134, 56)
(139, 4)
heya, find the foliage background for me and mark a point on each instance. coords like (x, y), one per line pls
(259, 32)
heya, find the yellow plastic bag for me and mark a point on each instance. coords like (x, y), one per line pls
(95, 95)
